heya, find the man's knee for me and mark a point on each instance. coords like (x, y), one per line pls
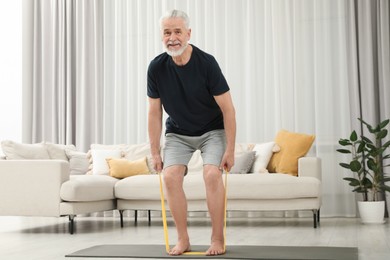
(211, 174)
(173, 175)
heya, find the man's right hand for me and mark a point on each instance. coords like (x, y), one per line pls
(157, 163)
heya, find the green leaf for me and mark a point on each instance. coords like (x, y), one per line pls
(381, 150)
(386, 156)
(355, 166)
(371, 164)
(371, 146)
(361, 147)
(359, 190)
(345, 165)
(352, 181)
(343, 151)
(384, 123)
(386, 188)
(385, 179)
(344, 142)
(382, 134)
(367, 140)
(367, 183)
(369, 127)
(353, 136)
(386, 144)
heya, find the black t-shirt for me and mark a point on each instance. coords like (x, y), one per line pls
(187, 92)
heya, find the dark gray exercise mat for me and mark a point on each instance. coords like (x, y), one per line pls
(232, 252)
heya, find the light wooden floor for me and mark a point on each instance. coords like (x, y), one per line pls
(48, 239)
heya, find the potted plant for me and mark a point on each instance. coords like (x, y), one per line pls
(367, 157)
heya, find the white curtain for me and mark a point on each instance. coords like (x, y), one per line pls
(372, 56)
(62, 98)
(290, 64)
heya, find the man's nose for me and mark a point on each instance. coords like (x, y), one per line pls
(172, 37)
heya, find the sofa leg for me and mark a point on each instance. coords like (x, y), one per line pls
(149, 217)
(121, 216)
(316, 217)
(71, 224)
(135, 216)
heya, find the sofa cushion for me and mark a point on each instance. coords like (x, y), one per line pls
(57, 151)
(78, 162)
(195, 165)
(99, 159)
(264, 153)
(122, 168)
(136, 151)
(147, 187)
(20, 151)
(240, 186)
(292, 147)
(272, 186)
(101, 164)
(129, 152)
(243, 162)
(88, 188)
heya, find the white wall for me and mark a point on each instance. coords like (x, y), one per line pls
(11, 70)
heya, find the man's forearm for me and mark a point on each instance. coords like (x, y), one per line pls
(230, 130)
(154, 129)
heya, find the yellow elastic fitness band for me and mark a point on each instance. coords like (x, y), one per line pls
(164, 216)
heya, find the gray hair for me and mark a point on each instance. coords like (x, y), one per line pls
(178, 14)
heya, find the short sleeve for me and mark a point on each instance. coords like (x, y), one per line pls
(216, 80)
(152, 90)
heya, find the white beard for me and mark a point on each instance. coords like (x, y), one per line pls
(175, 53)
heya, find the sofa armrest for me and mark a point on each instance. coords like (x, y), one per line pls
(310, 167)
(31, 187)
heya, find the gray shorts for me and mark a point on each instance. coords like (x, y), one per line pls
(178, 149)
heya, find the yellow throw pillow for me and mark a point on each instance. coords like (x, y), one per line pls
(122, 168)
(292, 147)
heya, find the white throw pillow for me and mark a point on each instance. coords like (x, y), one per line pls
(100, 166)
(19, 151)
(120, 147)
(263, 156)
(78, 162)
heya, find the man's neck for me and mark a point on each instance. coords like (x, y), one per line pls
(184, 58)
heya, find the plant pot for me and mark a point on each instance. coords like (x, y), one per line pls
(372, 212)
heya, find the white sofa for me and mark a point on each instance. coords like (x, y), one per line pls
(44, 187)
(246, 192)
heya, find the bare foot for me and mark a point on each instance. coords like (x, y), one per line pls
(181, 247)
(216, 248)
